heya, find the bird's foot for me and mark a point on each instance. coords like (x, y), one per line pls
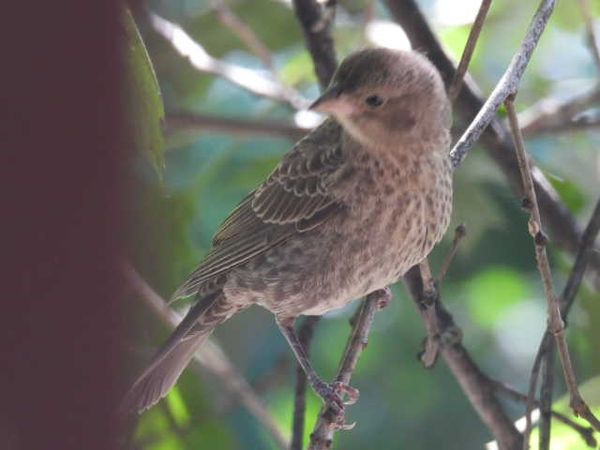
(383, 297)
(336, 396)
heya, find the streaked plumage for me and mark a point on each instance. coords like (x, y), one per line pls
(349, 210)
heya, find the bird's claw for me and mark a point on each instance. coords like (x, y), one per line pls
(336, 396)
(384, 297)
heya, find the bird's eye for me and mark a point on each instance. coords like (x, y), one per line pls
(374, 101)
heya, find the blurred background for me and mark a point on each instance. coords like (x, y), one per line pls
(220, 140)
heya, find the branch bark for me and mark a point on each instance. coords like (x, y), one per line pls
(232, 126)
(315, 19)
(251, 80)
(328, 422)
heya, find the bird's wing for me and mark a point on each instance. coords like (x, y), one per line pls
(296, 197)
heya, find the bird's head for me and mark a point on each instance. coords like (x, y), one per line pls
(384, 97)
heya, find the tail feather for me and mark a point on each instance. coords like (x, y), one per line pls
(167, 365)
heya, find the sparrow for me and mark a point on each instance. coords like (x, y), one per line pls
(354, 204)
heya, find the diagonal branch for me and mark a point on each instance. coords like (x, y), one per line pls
(546, 348)
(475, 384)
(256, 82)
(233, 126)
(328, 421)
(586, 11)
(210, 356)
(551, 115)
(507, 85)
(465, 59)
(555, 322)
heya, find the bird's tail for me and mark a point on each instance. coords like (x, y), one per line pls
(166, 366)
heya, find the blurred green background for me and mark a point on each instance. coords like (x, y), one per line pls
(492, 289)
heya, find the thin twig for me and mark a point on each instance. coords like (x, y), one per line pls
(245, 33)
(584, 254)
(507, 85)
(256, 82)
(305, 334)
(232, 126)
(586, 433)
(315, 18)
(322, 435)
(586, 11)
(211, 356)
(469, 49)
(551, 115)
(469, 376)
(555, 322)
(546, 394)
(459, 234)
(254, 43)
(546, 348)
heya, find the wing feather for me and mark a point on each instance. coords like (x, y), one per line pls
(294, 198)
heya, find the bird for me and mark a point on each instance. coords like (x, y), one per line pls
(346, 212)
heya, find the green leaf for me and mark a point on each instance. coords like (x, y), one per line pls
(144, 101)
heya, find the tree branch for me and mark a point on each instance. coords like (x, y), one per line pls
(465, 59)
(328, 421)
(551, 115)
(546, 350)
(507, 85)
(210, 356)
(233, 126)
(305, 335)
(586, 11)
(315, 19)
(251, 80)
(471, 379)
(586, 433)
(555, 322)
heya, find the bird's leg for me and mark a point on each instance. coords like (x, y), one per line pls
(331, 393)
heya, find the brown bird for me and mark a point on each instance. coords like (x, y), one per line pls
(354, 205)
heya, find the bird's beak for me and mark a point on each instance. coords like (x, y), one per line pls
(331, 101)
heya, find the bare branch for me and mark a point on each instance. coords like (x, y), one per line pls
(496, 139)
(328, 421)
(210, 355)
(555, 322)
(465, 59)
(233, 126)
(586, 433)
(584, 255)
(247, 35)
(551, 115)
(315, 18)
(470, 378)
(251, 80)
(507, 85)
(305, 335)
(586, 11)
(546, 350)
(459, 234)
